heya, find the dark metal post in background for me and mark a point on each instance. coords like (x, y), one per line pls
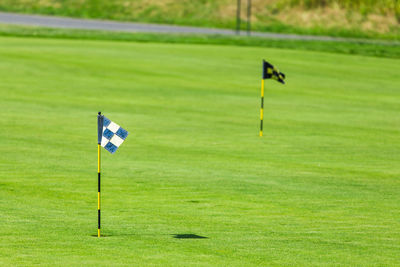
(248, 17)
(238, 17)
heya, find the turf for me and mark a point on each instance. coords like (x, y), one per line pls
(320, 188)
(350, 46)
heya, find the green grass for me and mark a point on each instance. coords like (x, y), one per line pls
(320, 188)
(375, 48)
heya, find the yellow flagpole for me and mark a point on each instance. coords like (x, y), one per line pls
(98, 189)
(262, 107)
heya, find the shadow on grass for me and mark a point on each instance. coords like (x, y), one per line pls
(189, 236)
(101, 235)
(178, 236)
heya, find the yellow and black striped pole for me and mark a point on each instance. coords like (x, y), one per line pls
(98, 190)
(99, 134)
(264, 69)
(262, 107)
(262, 99)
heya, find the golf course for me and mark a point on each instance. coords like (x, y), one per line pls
(194, 184)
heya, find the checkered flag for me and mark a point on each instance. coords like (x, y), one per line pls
(112, 135)
(270, 72)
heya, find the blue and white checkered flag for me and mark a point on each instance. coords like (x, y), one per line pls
(112, 135)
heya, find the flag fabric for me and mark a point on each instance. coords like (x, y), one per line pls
(112, 136)
(270, 72)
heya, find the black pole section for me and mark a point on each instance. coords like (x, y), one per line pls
(98, 208)
(238, 17)
(248, 17)
(99, 127)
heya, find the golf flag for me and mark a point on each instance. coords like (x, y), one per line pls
(270, 72)
(112, 135)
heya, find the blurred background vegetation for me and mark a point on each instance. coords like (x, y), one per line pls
(348, 18)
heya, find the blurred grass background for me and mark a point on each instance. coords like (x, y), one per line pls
(376, 48)
(348, 18)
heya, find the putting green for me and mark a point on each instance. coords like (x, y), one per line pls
(194, 184)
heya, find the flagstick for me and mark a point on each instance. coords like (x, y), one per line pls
(98, 190)
(262, 107)
(98, 186)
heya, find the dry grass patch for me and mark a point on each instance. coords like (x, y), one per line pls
(363, 17)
